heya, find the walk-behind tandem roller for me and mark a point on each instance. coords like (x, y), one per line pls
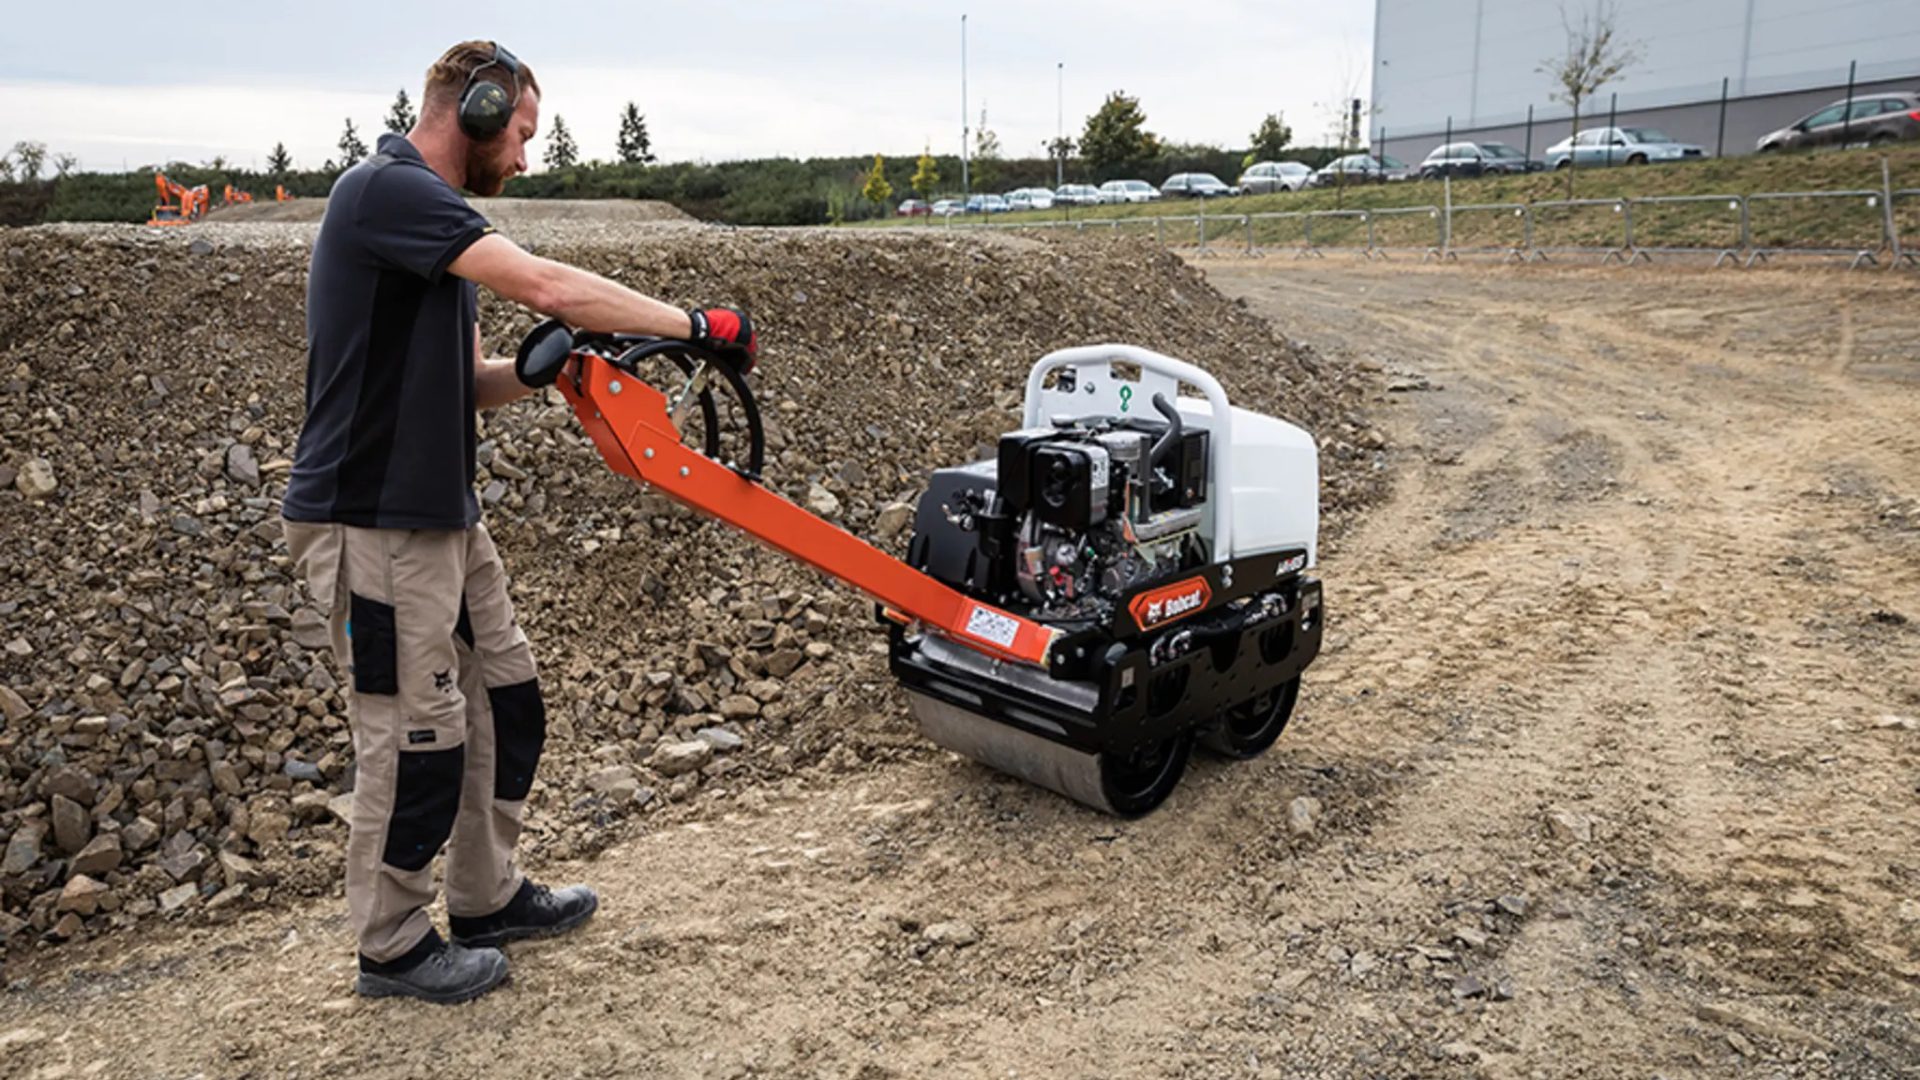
(1126, 575)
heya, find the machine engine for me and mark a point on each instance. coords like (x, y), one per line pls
(1066, 520)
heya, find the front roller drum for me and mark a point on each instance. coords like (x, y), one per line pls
(1125, 785)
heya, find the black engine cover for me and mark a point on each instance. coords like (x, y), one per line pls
(968, 560)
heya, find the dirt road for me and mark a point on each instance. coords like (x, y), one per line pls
(1615, 748)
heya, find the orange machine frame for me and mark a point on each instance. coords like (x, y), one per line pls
(629, 422)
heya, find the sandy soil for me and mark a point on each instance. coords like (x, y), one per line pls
(1616, 744)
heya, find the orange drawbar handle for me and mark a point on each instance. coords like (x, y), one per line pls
(628, 420)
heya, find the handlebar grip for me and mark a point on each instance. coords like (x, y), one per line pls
(543, 353)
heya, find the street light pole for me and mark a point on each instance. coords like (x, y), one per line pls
(1060, 124)
(966, 186)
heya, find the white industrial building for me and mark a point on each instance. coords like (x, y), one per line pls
(1473, 67)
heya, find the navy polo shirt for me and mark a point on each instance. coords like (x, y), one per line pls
(388, 441)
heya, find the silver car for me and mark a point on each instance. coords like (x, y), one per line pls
(1620, 146)
(1361, 169)
(1269, 176)
(1077, 195)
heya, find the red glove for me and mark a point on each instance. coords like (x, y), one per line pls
(727, 331)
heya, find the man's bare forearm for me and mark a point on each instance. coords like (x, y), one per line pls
(588, 301)
(495, 384)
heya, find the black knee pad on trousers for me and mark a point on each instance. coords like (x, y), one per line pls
(519, 731)
(426, 798)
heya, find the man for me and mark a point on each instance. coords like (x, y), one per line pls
(381, 518)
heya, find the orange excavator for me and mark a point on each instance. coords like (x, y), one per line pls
(233, 196)
(179, 205)
(280, 193)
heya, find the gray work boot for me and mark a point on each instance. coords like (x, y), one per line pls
(435, 971)
(534, 912)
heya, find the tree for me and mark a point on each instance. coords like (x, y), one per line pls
(634, 146)
(1269, 139)
(1116, 135)
(351, 148)
(1059, 151)
(400, 118)
(64, 164)
(986, 154)
(878, 191)
(925, 175)
(562, 152)
(28, 156)
(1594, 56)
(279, 161)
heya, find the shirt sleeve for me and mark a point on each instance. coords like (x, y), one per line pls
(409, 217)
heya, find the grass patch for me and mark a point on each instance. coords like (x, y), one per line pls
(1791, 223)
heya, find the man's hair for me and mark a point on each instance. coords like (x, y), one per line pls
(448, 75)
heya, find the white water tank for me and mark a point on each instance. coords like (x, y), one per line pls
(1275, 480)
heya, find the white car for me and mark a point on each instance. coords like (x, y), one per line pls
(1128, 191)
(948, 208)
(1030, 198)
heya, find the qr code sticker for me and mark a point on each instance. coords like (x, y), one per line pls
(989, 625)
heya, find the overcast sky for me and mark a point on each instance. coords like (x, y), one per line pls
(122, 85)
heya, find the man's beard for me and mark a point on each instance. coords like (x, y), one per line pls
(485, 177)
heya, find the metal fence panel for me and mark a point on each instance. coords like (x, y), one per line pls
(1816, 223)
(1705, 224)
(1405, 228)
(1906, 227)
(1580, 225)
(1504, 227)
(1278, 230)
(1340, 230)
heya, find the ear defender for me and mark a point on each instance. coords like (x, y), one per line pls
(486, 105)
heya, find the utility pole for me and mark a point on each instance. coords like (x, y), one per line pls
(1060, 124)
(966, 185)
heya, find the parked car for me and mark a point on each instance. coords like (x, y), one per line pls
(914, 208)
(1361, 169)
(1265, 177)
(1620, 146)
(1196, 185)
(1476, 159)
(1077, 194)
(1127, 191)
(948, 208)
(1882, 118)
(1030, 198)
(986, 204)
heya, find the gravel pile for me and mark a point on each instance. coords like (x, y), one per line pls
(510, 215)
(173, 740)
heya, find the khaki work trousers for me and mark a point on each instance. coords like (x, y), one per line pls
(446, 715)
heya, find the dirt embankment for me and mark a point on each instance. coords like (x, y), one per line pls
(174, 742)
(508, 214)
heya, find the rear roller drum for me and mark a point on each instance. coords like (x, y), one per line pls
(1137, 782)
(1250, 727)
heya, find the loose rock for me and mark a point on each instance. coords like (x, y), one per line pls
(957, 934)
(1303, 813)
(673, 759)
